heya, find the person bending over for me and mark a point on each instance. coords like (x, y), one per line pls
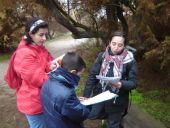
(61, 106)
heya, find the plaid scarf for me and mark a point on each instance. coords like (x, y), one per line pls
(118, 60)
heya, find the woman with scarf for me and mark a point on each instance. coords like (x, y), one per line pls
(32, 62)
(62, 107)
(116, 61)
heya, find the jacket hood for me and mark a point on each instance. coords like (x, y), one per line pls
(68, 79)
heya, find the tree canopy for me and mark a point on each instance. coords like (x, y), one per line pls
(84, 18)
(13, 15)
(100, 17)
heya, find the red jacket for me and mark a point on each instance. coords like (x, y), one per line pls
(32, 64)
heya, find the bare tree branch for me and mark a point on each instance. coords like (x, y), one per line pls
(64, 19)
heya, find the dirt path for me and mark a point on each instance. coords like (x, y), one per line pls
(11, 118)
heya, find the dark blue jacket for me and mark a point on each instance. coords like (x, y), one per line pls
(129, 82)
(61, 106)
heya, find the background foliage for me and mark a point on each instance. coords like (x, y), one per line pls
(151, 36)
(13, 16)
(146, 23)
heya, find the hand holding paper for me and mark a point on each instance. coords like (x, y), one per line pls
(58, 60)
(111, 80)
(56, 63)
(107, 95)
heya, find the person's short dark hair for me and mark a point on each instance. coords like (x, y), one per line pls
(32, 26)
(73, 61)
(119, 33)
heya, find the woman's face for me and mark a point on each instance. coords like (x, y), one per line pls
(40, 36)
(117, 44)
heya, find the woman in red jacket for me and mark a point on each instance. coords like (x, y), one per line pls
(32, 63)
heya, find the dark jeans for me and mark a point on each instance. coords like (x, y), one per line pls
(97, 111)
(114, 119)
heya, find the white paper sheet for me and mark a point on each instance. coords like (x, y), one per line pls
(107, 95)
(108, 79)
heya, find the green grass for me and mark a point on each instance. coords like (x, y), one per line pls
(104, 125)
(137, 97)
(4, 57)
(152, 103)
(80, 89)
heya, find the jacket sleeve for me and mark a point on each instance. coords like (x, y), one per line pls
(131, 81)
(49, 59)
(29, 66)
(73, 109)
(91, 80)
